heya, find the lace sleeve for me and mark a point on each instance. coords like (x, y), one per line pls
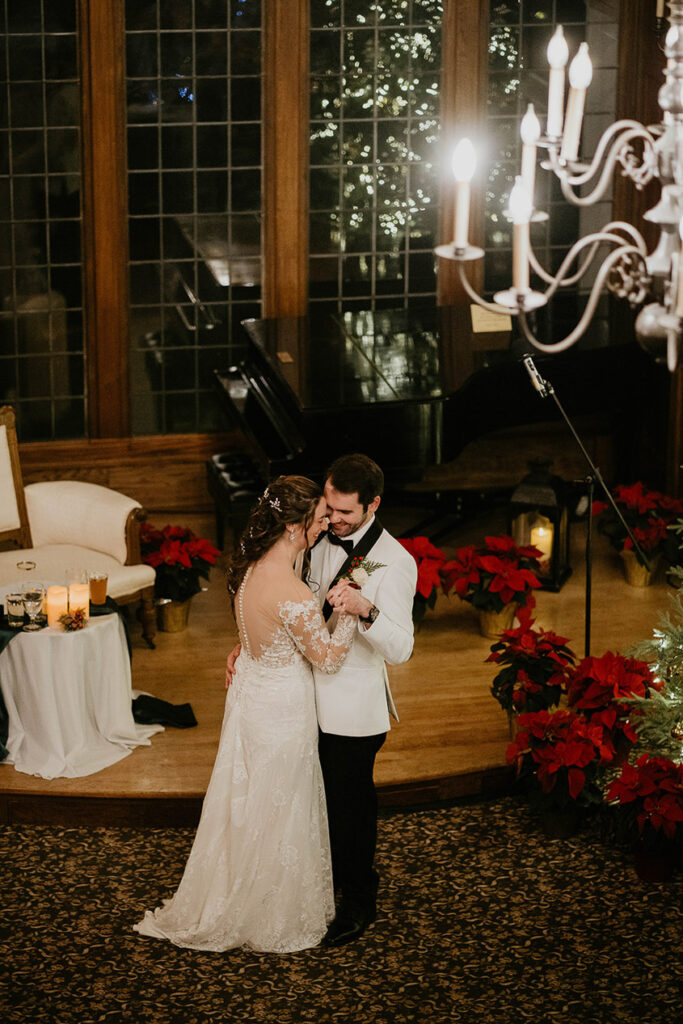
(306, 626)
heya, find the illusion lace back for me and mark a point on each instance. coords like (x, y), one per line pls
(259, 873)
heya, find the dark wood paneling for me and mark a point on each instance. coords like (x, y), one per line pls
(165, 473)
(104, 210)
(285, 164)
(463, 110)
(657, 448)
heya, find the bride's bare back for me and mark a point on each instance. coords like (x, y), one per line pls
(277, 616)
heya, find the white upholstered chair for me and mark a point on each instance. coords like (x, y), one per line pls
(62, 524)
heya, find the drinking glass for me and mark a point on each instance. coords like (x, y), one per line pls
(33, 603)
(98, 587)
(14, 606)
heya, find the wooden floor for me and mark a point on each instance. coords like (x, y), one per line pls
(450, 742)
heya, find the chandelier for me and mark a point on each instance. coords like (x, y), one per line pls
(640, 153)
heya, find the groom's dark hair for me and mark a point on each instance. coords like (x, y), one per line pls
(356, 474)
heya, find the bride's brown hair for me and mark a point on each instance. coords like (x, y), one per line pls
(288, 500)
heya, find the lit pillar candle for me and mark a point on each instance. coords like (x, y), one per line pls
(542, 538)
(580, 75)
(57, 604)
(520, 211)
(79, 598)
(464, 163)
(530, 130)
(558, 55)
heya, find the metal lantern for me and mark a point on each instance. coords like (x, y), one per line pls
(539, 515)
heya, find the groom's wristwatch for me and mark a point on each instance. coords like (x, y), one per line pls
(370, 617)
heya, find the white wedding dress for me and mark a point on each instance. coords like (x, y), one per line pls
(259, 873)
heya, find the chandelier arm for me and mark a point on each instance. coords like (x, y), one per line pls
(567, 181)
(594, 240)
(491, 306)
(549, 279)
(580, 329)
(628, 129)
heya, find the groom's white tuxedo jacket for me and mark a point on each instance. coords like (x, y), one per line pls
(356, 700)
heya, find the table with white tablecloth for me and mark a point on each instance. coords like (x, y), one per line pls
(68, 698)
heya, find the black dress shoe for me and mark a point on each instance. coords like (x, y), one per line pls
(348, 925)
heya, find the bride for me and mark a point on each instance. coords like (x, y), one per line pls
(259, 872)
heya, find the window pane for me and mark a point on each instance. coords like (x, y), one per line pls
(41, 323)
(194, 182)
(375, 71)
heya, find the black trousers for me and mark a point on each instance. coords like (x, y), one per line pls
(347, 764)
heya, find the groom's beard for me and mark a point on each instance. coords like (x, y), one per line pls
(346, 529)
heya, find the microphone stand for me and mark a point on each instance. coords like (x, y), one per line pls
(546, 390)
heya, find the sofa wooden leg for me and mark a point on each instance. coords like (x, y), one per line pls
(148, 617)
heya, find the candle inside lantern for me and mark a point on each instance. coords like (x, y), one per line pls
(558, 55)
(542, 538)
(79, 598)
(57, 599)
(520, 211)
(464, 163)
(530, 130)
(580, 76)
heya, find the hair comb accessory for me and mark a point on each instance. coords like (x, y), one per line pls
(273, 502)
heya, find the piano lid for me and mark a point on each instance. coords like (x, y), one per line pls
(386, 356)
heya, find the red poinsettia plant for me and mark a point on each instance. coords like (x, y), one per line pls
(432, 567)
(650, 793)
(600, 689)
(494, 575)
(180, 559)
(562, 753)
(535, 667)
(648, 513)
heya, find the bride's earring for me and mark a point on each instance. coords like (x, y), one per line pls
(291, 536)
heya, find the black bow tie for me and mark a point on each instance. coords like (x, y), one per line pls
(347, 545)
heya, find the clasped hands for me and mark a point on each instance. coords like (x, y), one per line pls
(345, 596)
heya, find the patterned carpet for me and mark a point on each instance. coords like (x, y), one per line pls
(481, 920)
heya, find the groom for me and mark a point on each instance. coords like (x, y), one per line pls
(354, 703)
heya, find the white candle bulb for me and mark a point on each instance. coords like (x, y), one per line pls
(530, 130)
(464, 163)
(558, 55)
(660, 9)
(520, 210)
(580, 75)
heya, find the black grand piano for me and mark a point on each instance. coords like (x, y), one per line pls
(410, 388)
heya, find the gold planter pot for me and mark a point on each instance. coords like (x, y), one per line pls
(636, 574)
(172, 616)
(492, 624)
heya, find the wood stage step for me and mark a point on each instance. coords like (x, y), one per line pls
(450, 742)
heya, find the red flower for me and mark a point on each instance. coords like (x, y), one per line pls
(647, 514)
(199, 547)
(654, 785)
(560, 743)
(179, 557)
(431, 563)
(494, 575)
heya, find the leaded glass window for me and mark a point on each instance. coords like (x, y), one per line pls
(375, 72)
(41, 323)
(194, 177)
